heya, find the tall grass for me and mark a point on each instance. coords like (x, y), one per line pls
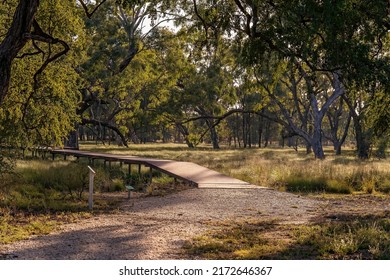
(282, 169)
(40, 195)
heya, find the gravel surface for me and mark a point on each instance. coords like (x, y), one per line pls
(157, 227)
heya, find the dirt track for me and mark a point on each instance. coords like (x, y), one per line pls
(157, 227)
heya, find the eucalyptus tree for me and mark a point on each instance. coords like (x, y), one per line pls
(128, 102)
(338, 121)
(119, 31)
(342, 40)
(43, 92)
(206, 91)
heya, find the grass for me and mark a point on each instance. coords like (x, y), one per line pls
(359, 238)
(15, 226)
(44, 194)
(283, 169)
(41, 195)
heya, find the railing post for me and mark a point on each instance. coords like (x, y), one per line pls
(91, 177)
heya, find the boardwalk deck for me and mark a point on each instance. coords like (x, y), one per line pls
(192, 173)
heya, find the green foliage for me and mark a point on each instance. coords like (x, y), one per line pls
(40, 109)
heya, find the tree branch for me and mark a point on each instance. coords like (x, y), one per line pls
(85, 121)
(39, 35)
(14, 41)
(86, 10)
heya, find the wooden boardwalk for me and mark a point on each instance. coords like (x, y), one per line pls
(189, 172)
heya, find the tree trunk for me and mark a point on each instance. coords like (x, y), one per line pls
(15, 40)
(184, 131)
(244, 139)
(237, 130)
(362, 144)
(249, 130)
(362, 138)
(316, 141)
(72, 141)
(337, 147)
(213, 135)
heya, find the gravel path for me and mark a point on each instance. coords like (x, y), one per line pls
(156, 227)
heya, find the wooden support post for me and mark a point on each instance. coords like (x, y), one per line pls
(139, 169)
(109, 164)
(91, 177)
(129, 176)
(53, 156)
(121, 164)
(64, 156)
(150, 174)
(105, 164)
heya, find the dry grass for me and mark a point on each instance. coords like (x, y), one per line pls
(360, 238)
(283, 169)
(31, 203)
(41, 195)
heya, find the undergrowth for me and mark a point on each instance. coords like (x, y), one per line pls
(359, 238)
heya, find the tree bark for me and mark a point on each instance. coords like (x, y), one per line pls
(362, 143)
(184, 131)
(15, 40)
(362, 137)
(316, 142)
(72, 141)
(213, 134)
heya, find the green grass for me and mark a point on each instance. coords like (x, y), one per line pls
(40, 195)
(15, 226)
(359, 238)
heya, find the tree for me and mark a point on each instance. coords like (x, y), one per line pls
(343, 40)
(339, 120)
(37, 107)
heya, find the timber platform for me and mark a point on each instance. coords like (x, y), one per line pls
(192, 173)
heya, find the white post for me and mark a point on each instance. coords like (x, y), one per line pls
(91, 176)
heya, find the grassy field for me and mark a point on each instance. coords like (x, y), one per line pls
(41, 195)
(283, 169)
(337, 178)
